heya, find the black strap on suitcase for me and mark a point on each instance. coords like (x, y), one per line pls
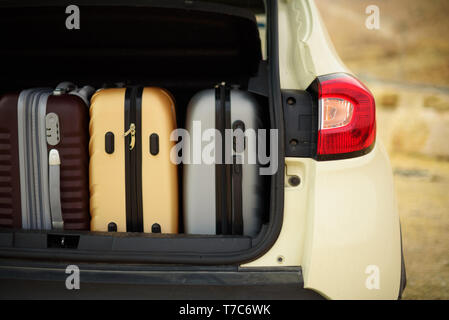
(228, 172)
(133, 160)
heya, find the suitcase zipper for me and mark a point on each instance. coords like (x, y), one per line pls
(223, 170)
(133, 165)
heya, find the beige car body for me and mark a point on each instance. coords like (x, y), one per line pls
(341, 224)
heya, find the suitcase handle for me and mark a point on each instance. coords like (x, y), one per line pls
(54, 163)
(66, 87)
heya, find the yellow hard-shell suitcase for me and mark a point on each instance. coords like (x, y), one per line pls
(133, 183)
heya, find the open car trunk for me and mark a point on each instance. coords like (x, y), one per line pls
(182, 46)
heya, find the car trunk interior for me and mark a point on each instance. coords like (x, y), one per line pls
(184, 49)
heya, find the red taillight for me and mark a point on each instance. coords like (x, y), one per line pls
(347, 116)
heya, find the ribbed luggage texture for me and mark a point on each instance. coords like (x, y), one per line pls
(34, 185)
(10, 209)
(74, 152)
(25, 145)
(6, 196)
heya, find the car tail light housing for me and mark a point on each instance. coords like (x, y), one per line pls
(346, 117)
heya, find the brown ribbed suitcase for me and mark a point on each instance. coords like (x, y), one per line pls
(44, 159)
(10, 209)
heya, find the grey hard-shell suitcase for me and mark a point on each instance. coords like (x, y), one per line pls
(228, 197)
(44, 158)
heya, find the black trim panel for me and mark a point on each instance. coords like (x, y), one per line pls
(403, 283)
(104, 246)
(40, 281)
(301, 123)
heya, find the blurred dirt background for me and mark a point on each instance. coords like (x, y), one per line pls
(406, 65)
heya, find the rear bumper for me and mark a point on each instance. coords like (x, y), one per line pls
(25, 280)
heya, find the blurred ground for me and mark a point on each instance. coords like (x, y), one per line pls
(422, 185)
(406, 65)
(416, 137)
